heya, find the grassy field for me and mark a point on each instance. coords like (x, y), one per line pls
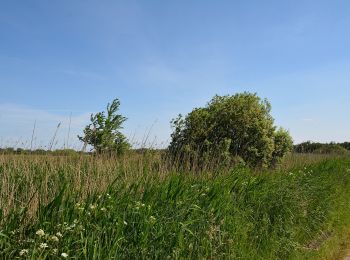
(139, 207)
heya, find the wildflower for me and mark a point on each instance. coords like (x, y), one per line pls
(43, 245)
(64, 255)
(23, 252)
(103, 209)
(70, 227)
(54, 238)
(40, 233)
(58, 234)
(75, 221)
(152, 219)
(93, 206)
(125, 223)
(139, 204)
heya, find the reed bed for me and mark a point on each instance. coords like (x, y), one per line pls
(142, 206)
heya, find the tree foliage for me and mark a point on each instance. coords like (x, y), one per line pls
(237, 126)
(322, 148)
(103, 133)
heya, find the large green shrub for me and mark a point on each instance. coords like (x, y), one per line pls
(237, 126)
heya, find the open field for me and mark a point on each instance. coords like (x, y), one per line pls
(136, 206)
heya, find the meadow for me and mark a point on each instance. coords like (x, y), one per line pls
(140, 206)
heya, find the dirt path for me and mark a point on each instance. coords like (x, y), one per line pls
(347, 257)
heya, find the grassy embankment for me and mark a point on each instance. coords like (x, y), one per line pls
(100, 208)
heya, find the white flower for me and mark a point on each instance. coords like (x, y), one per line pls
(23, 252)
(72, 226)
(93, 206)
(43, 245)
(40, 233)
(152, 219)
(59, 234)
(103, 209)
(54, 238)
(64, 255)
(125, 223)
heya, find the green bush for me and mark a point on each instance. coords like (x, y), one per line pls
(332, 149)
(230, 126)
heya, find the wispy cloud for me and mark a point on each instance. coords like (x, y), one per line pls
(18, 124)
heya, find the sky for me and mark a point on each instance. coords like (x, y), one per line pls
(62, 60)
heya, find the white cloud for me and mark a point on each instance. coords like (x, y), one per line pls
(18, 122)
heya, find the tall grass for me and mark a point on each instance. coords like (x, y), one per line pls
(139, 207)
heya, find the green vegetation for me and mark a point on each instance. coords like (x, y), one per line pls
(138, 207)
(321, 148)
(227, 187)
(103, 132)
(231, 127)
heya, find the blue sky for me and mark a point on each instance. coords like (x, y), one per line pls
(162, 58)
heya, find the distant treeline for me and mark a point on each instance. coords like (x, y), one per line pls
(322, 148)
(305, 147)
(11, 150)
(61, 152)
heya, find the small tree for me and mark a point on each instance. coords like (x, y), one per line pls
(103, 131)
(238, 126)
